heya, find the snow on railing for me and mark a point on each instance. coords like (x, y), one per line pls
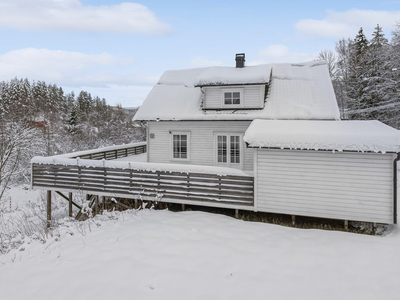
(211, 184)
(97, 172)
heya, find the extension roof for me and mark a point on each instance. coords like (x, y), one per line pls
(297, 91)
(364, 136)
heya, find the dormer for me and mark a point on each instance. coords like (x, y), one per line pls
(234, 97)
(227, 88)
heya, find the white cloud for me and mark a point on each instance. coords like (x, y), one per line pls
(281, 54)
(105, 75)
(72, 15)
(346, 24)
(198, 62)
(71, 68)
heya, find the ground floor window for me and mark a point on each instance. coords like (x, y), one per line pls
(229, 150)
(180, 146)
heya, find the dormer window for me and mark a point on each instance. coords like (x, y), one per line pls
(232, 98)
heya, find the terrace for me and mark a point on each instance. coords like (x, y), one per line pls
(122, 172)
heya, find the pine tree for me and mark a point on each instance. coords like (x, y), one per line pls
(377, 82)
(357, 69)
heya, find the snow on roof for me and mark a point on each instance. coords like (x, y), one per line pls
(371, 136)
(297, 91)
(230, 75)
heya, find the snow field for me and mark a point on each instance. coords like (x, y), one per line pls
(195, 255)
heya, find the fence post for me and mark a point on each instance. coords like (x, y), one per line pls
(219, 187)
(96, 203)
(48, 209)
(70, 204)
(187, 185)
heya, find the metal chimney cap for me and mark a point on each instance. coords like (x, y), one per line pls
(240, 60)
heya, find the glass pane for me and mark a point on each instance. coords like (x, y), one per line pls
(180, 146)
(228, 98)
(236, 95)
(222, 148)
(235, 149)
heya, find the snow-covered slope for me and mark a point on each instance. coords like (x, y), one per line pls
(195, 255)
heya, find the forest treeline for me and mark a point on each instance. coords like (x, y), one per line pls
(365, 74)
(66, 121)
(40, 119)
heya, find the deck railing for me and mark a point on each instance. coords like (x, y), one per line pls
(82, 171)
(122, 151)
(139, 184)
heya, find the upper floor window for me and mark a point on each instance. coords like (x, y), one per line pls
(232, 98)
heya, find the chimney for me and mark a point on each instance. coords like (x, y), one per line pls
(240, 60)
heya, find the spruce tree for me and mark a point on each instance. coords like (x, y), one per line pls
(357, 69)
(376, 79)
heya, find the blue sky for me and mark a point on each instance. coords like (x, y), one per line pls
(118, 50)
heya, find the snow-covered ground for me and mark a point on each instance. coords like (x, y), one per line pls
(152, 254)
(19, 195)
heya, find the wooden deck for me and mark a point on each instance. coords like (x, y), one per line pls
(196, 188)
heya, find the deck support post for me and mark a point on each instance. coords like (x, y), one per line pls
(48, 209)
(183, 207)
(293, 220)
(236, 213)
(101, 203)
(346, 225)
(374, 228)
(70, 204)
(136, 204)
(96, 208)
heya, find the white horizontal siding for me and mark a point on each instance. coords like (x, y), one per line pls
(212, 97)
(202, 148)
(349, 186)
(253, 96)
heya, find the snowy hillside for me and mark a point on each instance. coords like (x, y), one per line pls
(195, 255)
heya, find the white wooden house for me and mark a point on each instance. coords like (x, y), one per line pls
(263, 138)
(281, 124)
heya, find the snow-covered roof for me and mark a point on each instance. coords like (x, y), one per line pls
(229, 75)
(297, 91)
(368, 136)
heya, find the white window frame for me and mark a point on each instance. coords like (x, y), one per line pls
(172, 133)
(228, 158)
(232, 90)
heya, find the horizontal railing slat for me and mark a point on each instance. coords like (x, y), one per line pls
(228, 189)
(114, 154)
(135, 183)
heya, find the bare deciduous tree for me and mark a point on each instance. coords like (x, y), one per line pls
(330, 58)
(17, 146)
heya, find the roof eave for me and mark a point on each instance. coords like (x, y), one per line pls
(230, 84)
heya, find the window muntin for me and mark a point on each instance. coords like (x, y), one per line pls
(180, 146)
